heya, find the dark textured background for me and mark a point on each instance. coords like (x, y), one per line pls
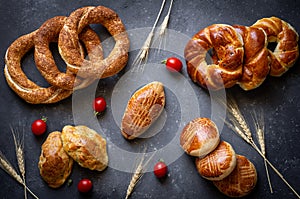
(279, 98)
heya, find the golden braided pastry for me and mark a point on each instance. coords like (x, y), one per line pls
(256, 57)
(258, 61)
(228, 48)
(44, 60)
(69, 45)
(19, 82)
(287, 51)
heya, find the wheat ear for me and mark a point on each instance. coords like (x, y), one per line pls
(144, 51)
(138, 173)
(260, 132)
(136, 176)
(9, 169)
(238, 118)
(163, 29)
(19, 147)
(239, 125)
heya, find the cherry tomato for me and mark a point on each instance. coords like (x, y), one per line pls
(39, 127)
(160, 169)
(84, 185)
(173, 64)
(99, 105)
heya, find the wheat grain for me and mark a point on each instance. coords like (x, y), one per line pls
(8, 168)
(238, 117)
(244, 133)
(162, 40)
(134, 180)
(260, 132)
(19, 147)
(144, 51)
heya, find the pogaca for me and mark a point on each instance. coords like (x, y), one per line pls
(234, 175)
(69, 32)
(240, 54)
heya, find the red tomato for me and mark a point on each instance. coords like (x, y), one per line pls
(160, 169)
(38, 127)
(173, 64)
(99, 105)
(85, 185)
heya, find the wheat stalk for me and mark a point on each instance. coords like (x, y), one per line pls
(239, 125)
(19, 147)
(260, 132)
(163, 28)
(138, 173)
(144, 51)
(242, 135)
(9, 169)
(238, 118)
(136, 176)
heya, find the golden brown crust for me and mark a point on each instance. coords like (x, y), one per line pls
(49, 32)
(256, 64)
(228, 47)
(143, 108)
(287, 51)
(19, 82)
(218, 164)
(69, 48)
(199, 137)
(241, 181)
(85, 146)
(54, 164)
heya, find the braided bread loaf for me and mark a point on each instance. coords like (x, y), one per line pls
(240, 54)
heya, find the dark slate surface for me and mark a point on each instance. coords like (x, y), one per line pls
(278, 97)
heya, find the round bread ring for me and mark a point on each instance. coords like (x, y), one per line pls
(241, 181)
(286, 52)
(218, 164)
(228, 47)
(44, 60)
(17, 79)
(69, 48)
(256, 64)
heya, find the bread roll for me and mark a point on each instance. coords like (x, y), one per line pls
(241, 181)
(199, 137)
(55, 164)
(143, 108)
(218, 164)
(85, 146)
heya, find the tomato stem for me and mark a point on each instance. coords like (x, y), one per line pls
(163, 61)
(44, 119)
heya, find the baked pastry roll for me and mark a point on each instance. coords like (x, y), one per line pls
(199, 137)
(55, 164)
(241, 181)
(85, 146)
(143, 108)
(218, 164)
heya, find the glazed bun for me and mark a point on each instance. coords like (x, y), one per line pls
(218, 164)
(199, 137)
(241, 181)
